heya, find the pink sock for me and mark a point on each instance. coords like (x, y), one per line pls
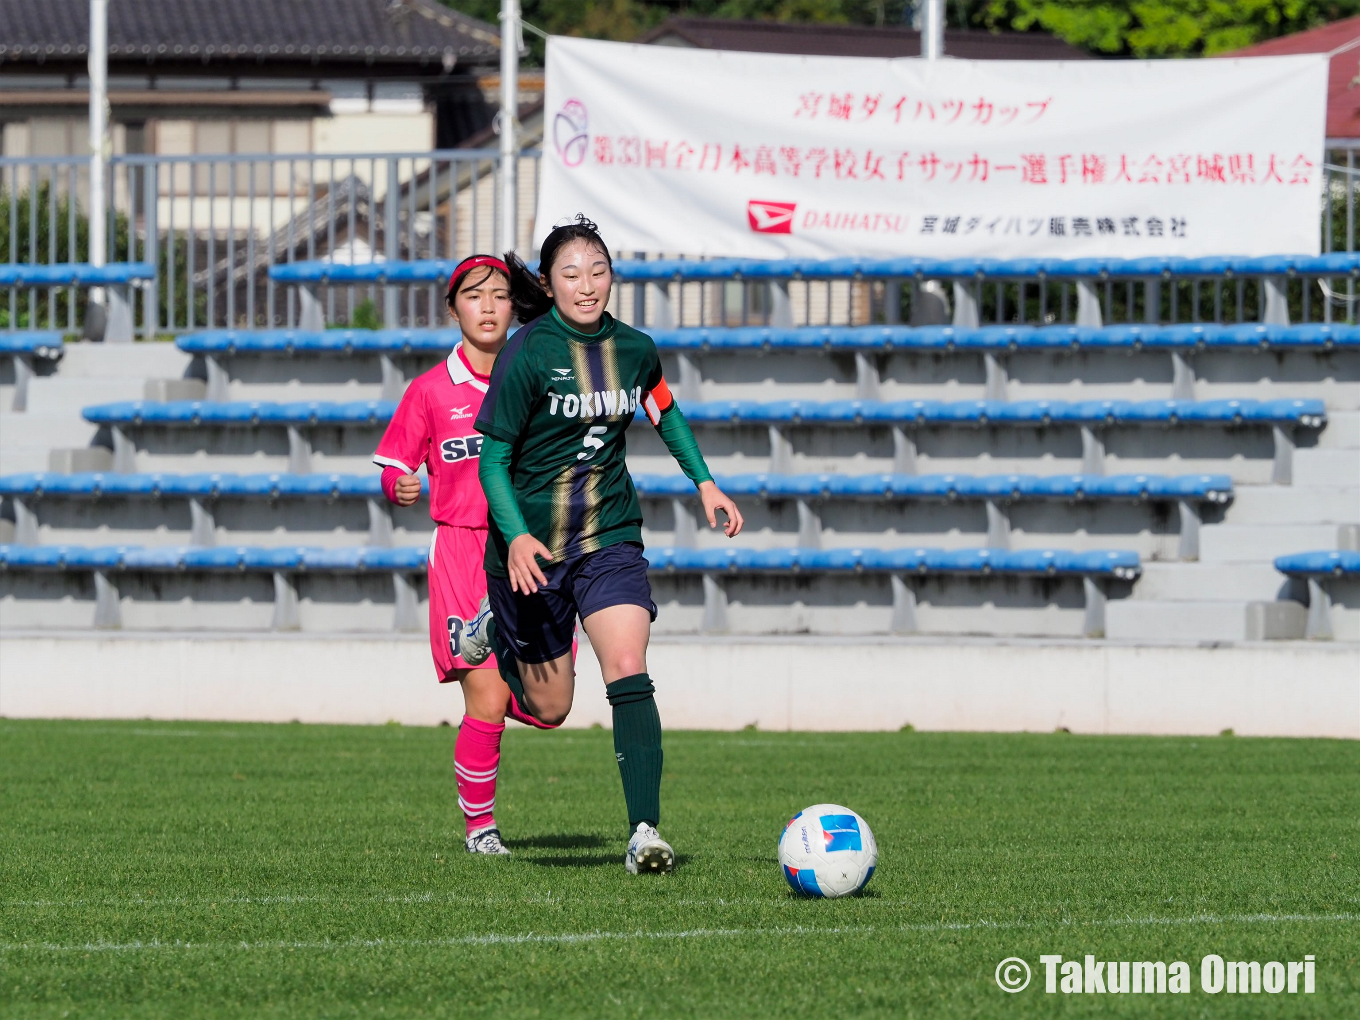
(476, 757)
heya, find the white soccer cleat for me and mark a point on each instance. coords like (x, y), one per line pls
(648, 853)
(475, 644)
(487, 841)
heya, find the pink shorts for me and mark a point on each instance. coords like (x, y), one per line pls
(457, 583)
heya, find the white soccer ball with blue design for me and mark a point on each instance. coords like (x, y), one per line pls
(827, 851)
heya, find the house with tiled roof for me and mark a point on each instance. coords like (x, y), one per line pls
(256, 76)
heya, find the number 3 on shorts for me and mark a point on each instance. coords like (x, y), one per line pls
(456, 625)
(592, 442)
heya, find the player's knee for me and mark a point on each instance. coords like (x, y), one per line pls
(552, 716)
(629, 664)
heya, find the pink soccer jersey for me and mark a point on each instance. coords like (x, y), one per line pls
(433, 426)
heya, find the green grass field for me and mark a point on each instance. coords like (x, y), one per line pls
(188, 869)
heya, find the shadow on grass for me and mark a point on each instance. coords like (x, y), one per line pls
(577, 861)
(858, 894)
(591, 861)
(562, 841)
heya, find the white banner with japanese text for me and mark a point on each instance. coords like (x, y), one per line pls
(709, 152)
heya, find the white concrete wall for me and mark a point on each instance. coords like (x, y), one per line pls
(1282, 689)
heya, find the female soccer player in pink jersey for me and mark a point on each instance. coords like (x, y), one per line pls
(433, 425)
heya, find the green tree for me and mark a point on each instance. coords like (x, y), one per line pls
(1116, 28)
(42, 224)
(1158, 28)
(623, 20)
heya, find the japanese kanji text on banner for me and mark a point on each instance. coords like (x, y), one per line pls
(748, 154)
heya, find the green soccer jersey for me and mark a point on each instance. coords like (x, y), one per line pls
(563, 400)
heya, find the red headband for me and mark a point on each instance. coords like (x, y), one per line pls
(472, 262)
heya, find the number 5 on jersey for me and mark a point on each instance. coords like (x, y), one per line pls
(592, 442)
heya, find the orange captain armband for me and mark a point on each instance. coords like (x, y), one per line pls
(657, 401)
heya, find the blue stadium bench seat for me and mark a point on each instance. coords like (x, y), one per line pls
(116, 277)
(241, 413)
(1190, 492)
(666, 270)
(107, 563)
(291, 342)
(1097, 570)
(22, 348)
(1120, 564)
(1327, 563)
(1184, 338)
(1091, 416)
(1323, 571)
(201, 489)
(1249, 336)
(284, 563)
(1211, 488)
(1085, 272)
(218, 346)
(1038, 413)
(74, 274)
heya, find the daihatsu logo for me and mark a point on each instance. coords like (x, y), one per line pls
(771, 217)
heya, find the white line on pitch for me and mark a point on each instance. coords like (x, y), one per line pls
(693, 933)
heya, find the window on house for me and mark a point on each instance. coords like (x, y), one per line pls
(245, 138)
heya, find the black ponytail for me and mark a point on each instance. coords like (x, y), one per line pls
(527, 294)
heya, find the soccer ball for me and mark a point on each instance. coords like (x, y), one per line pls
(827, 851)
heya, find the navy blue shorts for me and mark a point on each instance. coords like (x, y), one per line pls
(540, 627)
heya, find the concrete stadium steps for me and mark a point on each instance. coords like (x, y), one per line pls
(1322, 468)
(1333, 376)
(1246, 454)
(1151, 529)
(27, 437)
(1342, 431)
(1208, 582)
(1246, 543)
(864, 605)
(826, 605)
(314, 377)
(248, 451)
(1233, 594)
(328, 604)
(1294, 504)
(1204, 620)
(141, 361)
(69, 395)
(1345, 615)
(166, 522)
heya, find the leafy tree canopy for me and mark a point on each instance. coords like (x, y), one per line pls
(1114, 28)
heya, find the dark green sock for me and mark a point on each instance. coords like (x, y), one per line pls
(637, 746)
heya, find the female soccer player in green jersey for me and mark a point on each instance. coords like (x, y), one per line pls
(565, 536)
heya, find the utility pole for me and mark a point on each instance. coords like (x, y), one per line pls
(508, 119)
(932, 29)
(99, 133)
